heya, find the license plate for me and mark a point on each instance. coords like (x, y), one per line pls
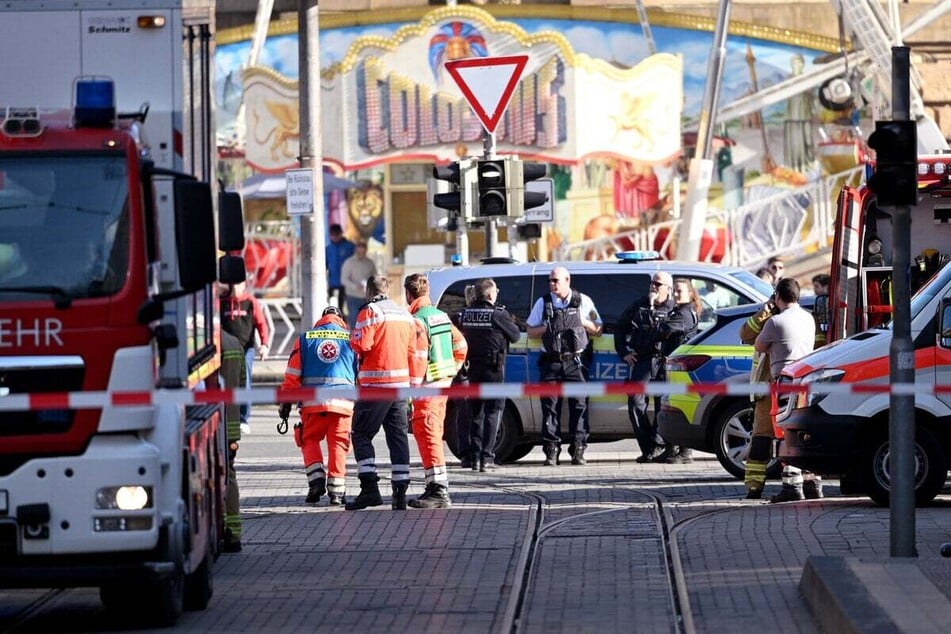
(3, 503)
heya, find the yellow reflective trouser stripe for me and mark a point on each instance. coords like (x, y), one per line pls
(755, 474)
(233, 525)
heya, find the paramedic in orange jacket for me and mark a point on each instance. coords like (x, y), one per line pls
(322, 358)
(443, 350)
(384, 338)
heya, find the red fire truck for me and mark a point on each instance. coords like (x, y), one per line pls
(107, 272)
(861, 290)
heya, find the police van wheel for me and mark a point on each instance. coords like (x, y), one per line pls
(510, 435)
(731, 439)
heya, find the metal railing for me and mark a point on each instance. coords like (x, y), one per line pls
(778, 221)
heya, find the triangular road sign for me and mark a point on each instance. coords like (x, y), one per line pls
(487, 83)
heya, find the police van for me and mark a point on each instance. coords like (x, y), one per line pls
(613, 286)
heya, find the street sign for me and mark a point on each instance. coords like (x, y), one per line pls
(546, 212)
(488, 83)
(300, 192)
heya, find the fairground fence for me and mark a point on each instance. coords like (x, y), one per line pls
(793, 222)
(266, 395)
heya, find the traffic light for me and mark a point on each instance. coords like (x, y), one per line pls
(493, 184)
(530, 199)
(450, 190)
(895, 181)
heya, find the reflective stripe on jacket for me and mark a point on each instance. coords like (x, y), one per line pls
(384, 338)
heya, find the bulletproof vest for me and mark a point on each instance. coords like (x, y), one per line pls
(565, 333)
(487, 344)
(644, 335)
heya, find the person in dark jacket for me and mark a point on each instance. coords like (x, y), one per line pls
(681, 324)
(648, 330)
(488, 329)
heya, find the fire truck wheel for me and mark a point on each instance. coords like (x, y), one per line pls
(930, 467)
(198, 585)
(165, 599)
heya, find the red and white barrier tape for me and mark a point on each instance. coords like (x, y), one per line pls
(94, 400)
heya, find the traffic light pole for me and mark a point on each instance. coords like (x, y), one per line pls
(901, 432)
(491, 230)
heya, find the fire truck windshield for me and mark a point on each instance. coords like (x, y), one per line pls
(63, 225)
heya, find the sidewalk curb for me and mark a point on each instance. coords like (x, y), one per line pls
(891, 595)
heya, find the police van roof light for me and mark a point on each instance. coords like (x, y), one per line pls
(637, 256)
(94, 102)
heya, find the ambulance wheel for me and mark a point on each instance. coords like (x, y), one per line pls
(520, 451)
(930, 468)
(732, 433)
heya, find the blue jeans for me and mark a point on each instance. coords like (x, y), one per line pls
(245, 409)
(353, 308)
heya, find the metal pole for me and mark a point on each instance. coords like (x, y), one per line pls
(491, 230)
(901, 431)
(312, 229)
(701, 166)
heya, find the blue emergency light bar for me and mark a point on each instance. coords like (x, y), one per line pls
(637, 256)
(94, 102)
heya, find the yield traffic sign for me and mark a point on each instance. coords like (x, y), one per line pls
(487, 83)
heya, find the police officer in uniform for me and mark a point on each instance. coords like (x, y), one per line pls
(488, 329)
(563, 319)
(640, 342)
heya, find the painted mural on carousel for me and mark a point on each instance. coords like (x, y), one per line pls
(595, 102)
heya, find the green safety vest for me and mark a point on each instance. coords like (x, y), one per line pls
(441, 364)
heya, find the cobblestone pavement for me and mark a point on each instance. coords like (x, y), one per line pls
(526, 548)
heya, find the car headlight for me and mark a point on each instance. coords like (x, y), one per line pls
(826, 375)
(126, 498)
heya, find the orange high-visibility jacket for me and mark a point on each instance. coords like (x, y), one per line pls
(384, 338)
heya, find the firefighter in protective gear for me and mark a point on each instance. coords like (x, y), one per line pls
(384, 339)
(761, 442)
(233, 377)
(322, 358)
(444, 351)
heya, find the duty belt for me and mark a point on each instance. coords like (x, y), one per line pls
(563, 356)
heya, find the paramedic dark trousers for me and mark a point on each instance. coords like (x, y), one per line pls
(368, 417)
(564, 370)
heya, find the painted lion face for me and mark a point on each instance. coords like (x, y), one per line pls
(365, 207)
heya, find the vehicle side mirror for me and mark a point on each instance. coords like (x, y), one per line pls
(231, 269)
(944, 323)
(230, 222)
(195, 235)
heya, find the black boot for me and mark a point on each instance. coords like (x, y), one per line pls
(684, 456)
(577, 457)
(369, 493)
(438, 498)
(812, 488)
(551, 454)
(399, 495)
(317, 488)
